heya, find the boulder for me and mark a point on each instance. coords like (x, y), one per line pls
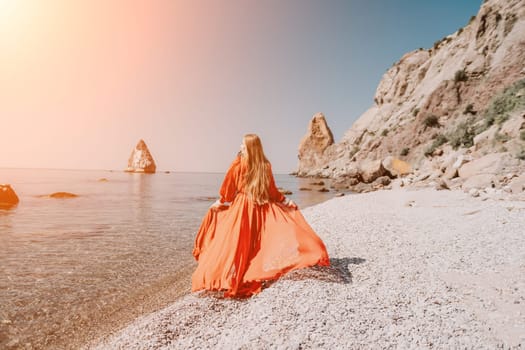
(478, 181)
(442, 185)
(141, 160)
(451, 173)
(473, 192)
(513, 125)
(486, 136)
(344, 183)
(490, 164)
(63, 195)
(396, 167)
(313, 145)
(437, 152)
(383, 181)
(371, 170)
(8, 197)
(352, 171)
(284, 191)
(517, 184)
(460, 160)
(362, 188)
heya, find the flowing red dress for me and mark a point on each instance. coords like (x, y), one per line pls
(239, 246)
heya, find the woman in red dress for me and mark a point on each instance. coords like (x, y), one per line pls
(258, 237)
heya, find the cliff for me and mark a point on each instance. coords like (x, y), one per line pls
(458, 101)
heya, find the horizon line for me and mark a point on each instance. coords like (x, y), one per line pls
(131, 172)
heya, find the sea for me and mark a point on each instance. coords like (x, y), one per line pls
(75, 269)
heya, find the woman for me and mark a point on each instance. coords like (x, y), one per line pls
(258, 237)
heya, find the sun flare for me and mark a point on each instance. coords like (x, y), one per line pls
(7, 10)
(10, 12)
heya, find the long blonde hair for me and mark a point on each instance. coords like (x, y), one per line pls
(256, 178)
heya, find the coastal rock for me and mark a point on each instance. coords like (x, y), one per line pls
(462, 159)
(517, 184)
(62, 195)
(284, 191)
(396, 167)
(486, 136)
(383, 181)
(314, 144)
(474, 192)
(362, 187)
(442, 185)
(8, 197)
(478, 181)
(371, 170)
(512, 127)
(490, 164)
(462, 99)
(451, 173)
(141, 160)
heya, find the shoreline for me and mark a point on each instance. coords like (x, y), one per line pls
(409, 267)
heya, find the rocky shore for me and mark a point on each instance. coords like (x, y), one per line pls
(410, 269)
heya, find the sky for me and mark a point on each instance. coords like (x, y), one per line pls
(81, 82)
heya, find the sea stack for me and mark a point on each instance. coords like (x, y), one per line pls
(313, 145)
(8, 197)
(141, 160)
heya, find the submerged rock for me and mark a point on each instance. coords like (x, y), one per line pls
(141, 160)
(284, 191)
(62, 195)
(8, 197)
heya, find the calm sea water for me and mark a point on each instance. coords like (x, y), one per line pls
(72, 269)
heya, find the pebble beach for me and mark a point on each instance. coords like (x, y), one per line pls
(409, 269)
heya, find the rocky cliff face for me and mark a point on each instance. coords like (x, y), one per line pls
(464, 97)
(141, 160)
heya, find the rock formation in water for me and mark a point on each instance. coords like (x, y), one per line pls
(8, 197)
(440, 109)
(63, 195)
(141, 160)
(314, 144)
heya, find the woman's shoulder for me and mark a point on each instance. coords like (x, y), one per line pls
(236, 161)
